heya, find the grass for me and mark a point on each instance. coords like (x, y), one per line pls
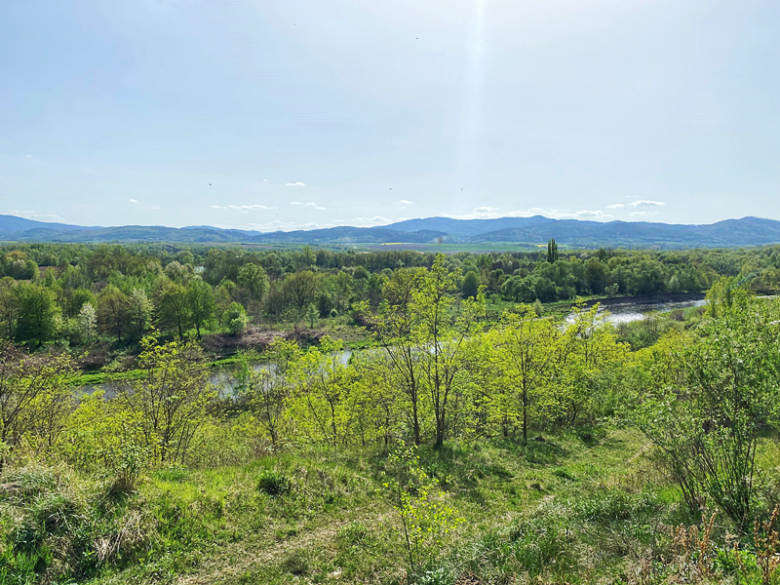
(559, 509)
(320, 514)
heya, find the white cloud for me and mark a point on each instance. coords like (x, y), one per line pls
(495, 212)
(370, 221)
(405, 202)
(485, 212)
(645, 212)
(314, 205)
(587, 213)
(133, 200)
(32, 214)
(242, 207)
(638, 203)
(298, 184)
(287, 226)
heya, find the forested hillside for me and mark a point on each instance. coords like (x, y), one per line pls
(477, 436)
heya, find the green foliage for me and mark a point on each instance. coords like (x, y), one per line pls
(168, 405)
(174, 312)
(201, 303)
(523, 422)
(470, 286)
(113, 311)
(235, 318)
(273, 483)
(708, 424)
(426, 518)
(727, 293)
(552, 251)
(36, 313)
(35, 400)
(255, 279)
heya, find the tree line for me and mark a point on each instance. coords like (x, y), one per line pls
(78, 294)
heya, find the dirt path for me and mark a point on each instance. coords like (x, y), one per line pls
(270, 554)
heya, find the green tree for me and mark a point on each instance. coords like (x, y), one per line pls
(34, 398)
(202, 305)
(707, 426)
(37, 313)
(325, 404)
(552, 251)
(725, 293)
(235, 319)
(174, 313)
(470, 287)
(139, 311)
(113, 311)
(528, 350)
(76, 300)
(301, 289)
(266, 392)
(170, 401)
(426, 517)
(394, 329)
(375, 284)
(439, 333)
(254, 279)
(311, 315)
(8, 307)
(343, 286)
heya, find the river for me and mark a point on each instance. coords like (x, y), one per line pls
(637, 311)
(618, 313)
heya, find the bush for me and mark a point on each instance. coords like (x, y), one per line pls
(273, 483)
(353, 535)
(235, 318)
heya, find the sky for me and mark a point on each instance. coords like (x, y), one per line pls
(294, 114)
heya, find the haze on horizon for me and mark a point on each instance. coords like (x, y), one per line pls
(297, 114)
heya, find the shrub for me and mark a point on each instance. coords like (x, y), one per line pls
(273, 483)
(354, 534)
(235, 318)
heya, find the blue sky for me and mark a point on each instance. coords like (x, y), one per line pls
(292, 114)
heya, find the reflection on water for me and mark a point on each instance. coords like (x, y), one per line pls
(221, 377)
(638, 311)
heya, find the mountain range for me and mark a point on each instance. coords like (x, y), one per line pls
(531, 231)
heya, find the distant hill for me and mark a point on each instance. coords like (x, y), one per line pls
(533, 231)
(204, 234)
(748, 231)
(10, 224)
(352, 235)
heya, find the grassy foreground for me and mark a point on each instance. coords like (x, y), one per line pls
(560, 510)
